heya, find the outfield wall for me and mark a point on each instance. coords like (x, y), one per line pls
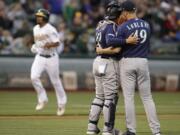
(76, 73)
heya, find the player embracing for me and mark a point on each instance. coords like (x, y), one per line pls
(134, 69)
(105, 71)
(46, 41)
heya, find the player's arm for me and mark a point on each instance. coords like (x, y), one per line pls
(119, 41)
(109, 50)
(51, 45)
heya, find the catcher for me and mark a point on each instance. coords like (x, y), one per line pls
(105, 71)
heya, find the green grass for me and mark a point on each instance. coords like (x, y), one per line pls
(18, 115)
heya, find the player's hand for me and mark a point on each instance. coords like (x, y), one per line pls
(109, 50)
(34, 49)
(48, 45)
(51, 45)
(132, 39)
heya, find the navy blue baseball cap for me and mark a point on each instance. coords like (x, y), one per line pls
(128, 5)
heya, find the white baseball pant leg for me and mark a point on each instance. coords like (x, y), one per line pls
(52, 69)
(37, 68)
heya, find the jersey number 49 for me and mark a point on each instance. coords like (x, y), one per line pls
(142, 34)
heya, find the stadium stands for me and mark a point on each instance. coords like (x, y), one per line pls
(76, 20)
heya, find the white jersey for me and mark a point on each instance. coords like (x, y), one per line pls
(43, 35)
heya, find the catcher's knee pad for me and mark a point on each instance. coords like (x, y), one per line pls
(109, 110)
(112, 96)
(95, 111)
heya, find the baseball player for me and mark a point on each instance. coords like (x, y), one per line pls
(134, 69)
(46, 41)
(105, 71)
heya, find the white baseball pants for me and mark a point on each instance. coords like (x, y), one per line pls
(51, 66)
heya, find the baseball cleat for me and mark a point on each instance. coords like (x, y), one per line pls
(93, 132)
(60, 111)
(113, 132)
(128, 133)
(41, 105)
(157, 134)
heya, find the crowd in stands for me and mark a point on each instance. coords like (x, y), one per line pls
(76, 21)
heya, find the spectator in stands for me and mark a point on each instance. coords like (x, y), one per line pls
(29, 6)
(77, 28)
(170, 24)
(178, 31)
(5, 22)
(56, 9)
(174, 36)
(6, 41)
(22, 45)
(86, 6)
(81, 43)
(69, 11)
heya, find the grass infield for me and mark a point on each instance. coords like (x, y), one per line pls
(18, 115)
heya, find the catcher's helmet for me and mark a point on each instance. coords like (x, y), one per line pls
(113, 10)
(43, 13)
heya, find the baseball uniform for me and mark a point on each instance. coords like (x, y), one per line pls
(134, 70)
(46, 60)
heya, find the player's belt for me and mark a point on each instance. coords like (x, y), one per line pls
(108, 57)
(46, 55)
(105, 57)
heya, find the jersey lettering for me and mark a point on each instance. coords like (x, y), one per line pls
(142, 34)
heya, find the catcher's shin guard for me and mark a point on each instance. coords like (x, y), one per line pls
(109, 110)
(95, 111)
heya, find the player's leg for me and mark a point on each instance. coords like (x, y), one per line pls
(111, 87)
(146, 96)
(94, 115)
(52, 69)
(109, 110)
(128, 82)
(97, 103)
(37, 68)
